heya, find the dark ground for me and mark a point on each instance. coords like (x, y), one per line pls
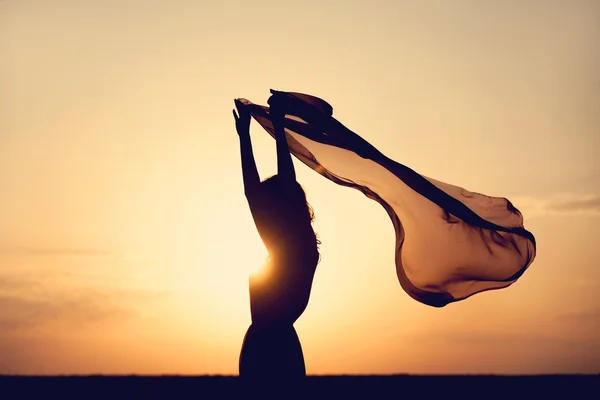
(414, 387)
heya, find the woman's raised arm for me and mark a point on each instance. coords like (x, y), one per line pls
(249, 170)
(285, 165)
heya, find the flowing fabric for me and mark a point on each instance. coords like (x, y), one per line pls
(450, 243)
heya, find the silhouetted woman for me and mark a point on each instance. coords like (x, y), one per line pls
(278, 295)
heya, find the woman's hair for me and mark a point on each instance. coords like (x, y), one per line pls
(289, 200)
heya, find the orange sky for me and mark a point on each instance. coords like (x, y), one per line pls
(121, 195)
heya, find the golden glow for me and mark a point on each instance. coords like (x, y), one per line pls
(126, 242)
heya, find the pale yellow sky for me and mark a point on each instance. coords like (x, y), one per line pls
(121, 196)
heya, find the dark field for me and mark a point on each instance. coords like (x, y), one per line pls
(330, 387)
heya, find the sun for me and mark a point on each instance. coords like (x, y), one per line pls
(215, 250)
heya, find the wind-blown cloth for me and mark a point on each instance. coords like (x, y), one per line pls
(450, 243)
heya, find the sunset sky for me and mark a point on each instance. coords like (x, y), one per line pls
(125, 238)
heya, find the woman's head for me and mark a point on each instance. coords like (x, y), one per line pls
(287, 203)
(288, 199)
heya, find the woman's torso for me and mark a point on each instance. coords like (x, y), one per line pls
(280, 293)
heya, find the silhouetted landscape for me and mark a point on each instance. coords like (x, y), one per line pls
(391, 386)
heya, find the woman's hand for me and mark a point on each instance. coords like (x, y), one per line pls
(282, 103)
(242, 122)
(278, 105)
